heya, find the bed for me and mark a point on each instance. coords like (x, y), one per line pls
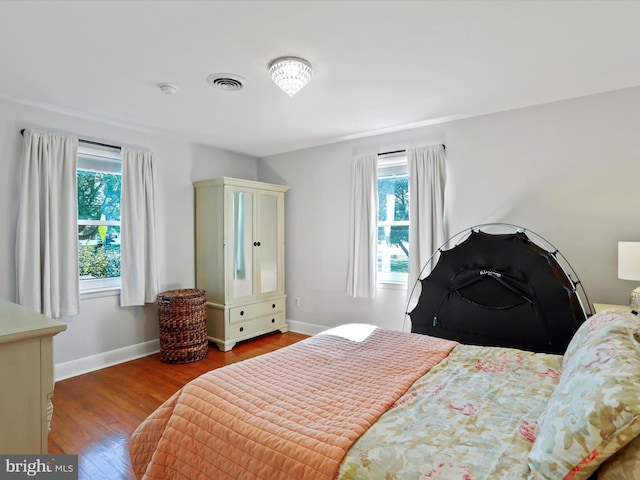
(362, 402)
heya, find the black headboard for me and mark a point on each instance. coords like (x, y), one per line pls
(499, 290)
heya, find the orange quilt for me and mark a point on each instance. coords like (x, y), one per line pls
(290, 414)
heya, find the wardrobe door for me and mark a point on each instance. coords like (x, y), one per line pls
(270, 241)
(240, 244)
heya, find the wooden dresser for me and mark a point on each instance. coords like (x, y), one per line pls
(26, 378)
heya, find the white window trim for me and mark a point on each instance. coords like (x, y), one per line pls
(108, 223)
(99, 287)
(388, 285)
(393, 280)
(94, 291)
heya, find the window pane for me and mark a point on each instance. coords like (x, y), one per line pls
(98, 251)
(393, 198)
(100, 161)
(393, 249)
(393, 228)
(98, 195)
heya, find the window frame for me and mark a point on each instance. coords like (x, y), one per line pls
(392, 165)
(98, 158)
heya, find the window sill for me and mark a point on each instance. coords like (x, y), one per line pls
(391, 286)
(99, 292)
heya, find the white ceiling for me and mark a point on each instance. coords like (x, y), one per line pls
(379, 66)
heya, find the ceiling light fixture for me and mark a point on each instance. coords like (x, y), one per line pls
(290, 73)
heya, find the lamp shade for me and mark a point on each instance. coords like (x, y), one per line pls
(629, 260)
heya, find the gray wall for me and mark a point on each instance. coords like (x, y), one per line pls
(102, 325)
(568, 171)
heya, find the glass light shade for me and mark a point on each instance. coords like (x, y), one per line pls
(629, 260)
(290, 73)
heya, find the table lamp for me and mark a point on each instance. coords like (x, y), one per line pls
(629, 267)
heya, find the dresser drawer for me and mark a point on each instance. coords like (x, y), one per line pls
(253, 310)
(256, 326)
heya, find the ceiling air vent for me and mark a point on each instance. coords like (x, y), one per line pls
(225, 81)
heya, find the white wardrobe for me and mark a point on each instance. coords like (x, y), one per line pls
(240, 258)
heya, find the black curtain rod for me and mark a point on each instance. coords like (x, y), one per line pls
(89, 142)
(391, 153)
(400, 151)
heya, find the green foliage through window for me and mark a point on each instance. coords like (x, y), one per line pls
(99, 261)
(398, 189)
(98, 223)
(393, 226)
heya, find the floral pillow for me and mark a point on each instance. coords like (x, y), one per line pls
(595, 409)
(593, 331)
(624, 465)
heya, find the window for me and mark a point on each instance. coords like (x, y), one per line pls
(99, 176)
(393, 219)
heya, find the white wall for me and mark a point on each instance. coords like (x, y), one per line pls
(569, 171)
(103, 326)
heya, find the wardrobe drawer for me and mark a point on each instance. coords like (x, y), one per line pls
(256, 326)
(252, 310)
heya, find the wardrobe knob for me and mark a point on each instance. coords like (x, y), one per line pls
(242, 329)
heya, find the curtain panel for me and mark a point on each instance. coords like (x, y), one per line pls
(363, 232)
(427, 180)
(139, 266)
(47, 228)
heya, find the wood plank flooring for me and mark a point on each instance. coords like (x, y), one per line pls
(94, 414)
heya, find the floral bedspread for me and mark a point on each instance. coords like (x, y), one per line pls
(472, 417)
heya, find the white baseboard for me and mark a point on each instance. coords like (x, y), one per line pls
(106, 359)
(92, 363)
(306, 328)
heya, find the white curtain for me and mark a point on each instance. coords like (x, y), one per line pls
(47, 230)
(139, 266)
(427, 179)
(363, 234)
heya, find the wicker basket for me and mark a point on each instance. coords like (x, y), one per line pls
(182, 315)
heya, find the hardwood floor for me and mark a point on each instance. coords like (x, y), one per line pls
(94, 414)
